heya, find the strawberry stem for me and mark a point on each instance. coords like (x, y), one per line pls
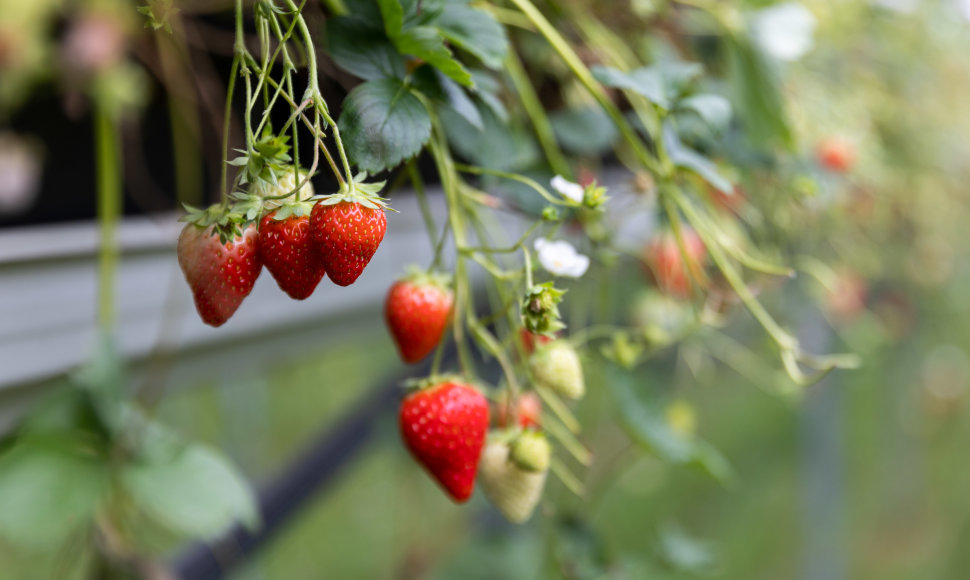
(446, 170)
(107, 148)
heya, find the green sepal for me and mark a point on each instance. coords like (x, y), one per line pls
(419, 384)
(293, 209)
(540, 310)
(225, 220)
(357, 190)
(418, 276)
(594, 196)
(268, 157)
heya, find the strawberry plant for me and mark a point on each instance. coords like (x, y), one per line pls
(565, 146)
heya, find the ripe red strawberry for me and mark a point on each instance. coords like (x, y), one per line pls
(847, 297)
(527, 411)
(666, 263)
(347, 228)
(531, 339)
(730, 202)
(221, 264)
(287, 250)
(417, 309)
(444, 427)
(836, 154)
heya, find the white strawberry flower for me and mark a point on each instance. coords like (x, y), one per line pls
(568, 189)
(784, 31)
(560, 258)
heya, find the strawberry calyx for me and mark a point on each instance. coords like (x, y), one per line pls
(418, 276)
(291, 208)
(266, 160)
(225, 220)
(422, 384)
(357, 190)
(540, 309)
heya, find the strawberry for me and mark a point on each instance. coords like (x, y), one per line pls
(513, 487)
(218, 255)
(417, 309)
(729, 202)
(347, 228)
(531, 339)
(836, 154)
(557, 367)
(846, 299)
(286, 248)
(667, 265)
(444, 427)
(527, 409)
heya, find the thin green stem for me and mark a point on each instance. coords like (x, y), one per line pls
(492, 347)
(418, 184)
(337, 139)
(107, 151)
(585, 77)
(537, 113)
(514, 177)
(571, 482)
(247, 120)
(508, 250)
(446, 170)
(227, 121)
(528, 268)
(336, 7)
(784, 340)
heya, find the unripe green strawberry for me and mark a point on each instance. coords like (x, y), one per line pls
(511, 489)
(556, 366)
(531, 451)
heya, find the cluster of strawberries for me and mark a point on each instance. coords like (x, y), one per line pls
(222, 250)
(445, 422)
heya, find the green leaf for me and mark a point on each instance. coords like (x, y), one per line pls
(710, 461)
(426, 43)
(476, 32)
(645, 421)
(195, 491)
(362, 50)
(366, 12)
(663, 84)
(685, 553)
(460, 102)
(646, 82)
(687, 158)
(383, 123)
(756, 94)
(715, 110)
(404, 26)
(497, 146)
(47, 494)
(486, 89)
(444, 92)
(393, 14)
(103, 377)
(586, 131)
